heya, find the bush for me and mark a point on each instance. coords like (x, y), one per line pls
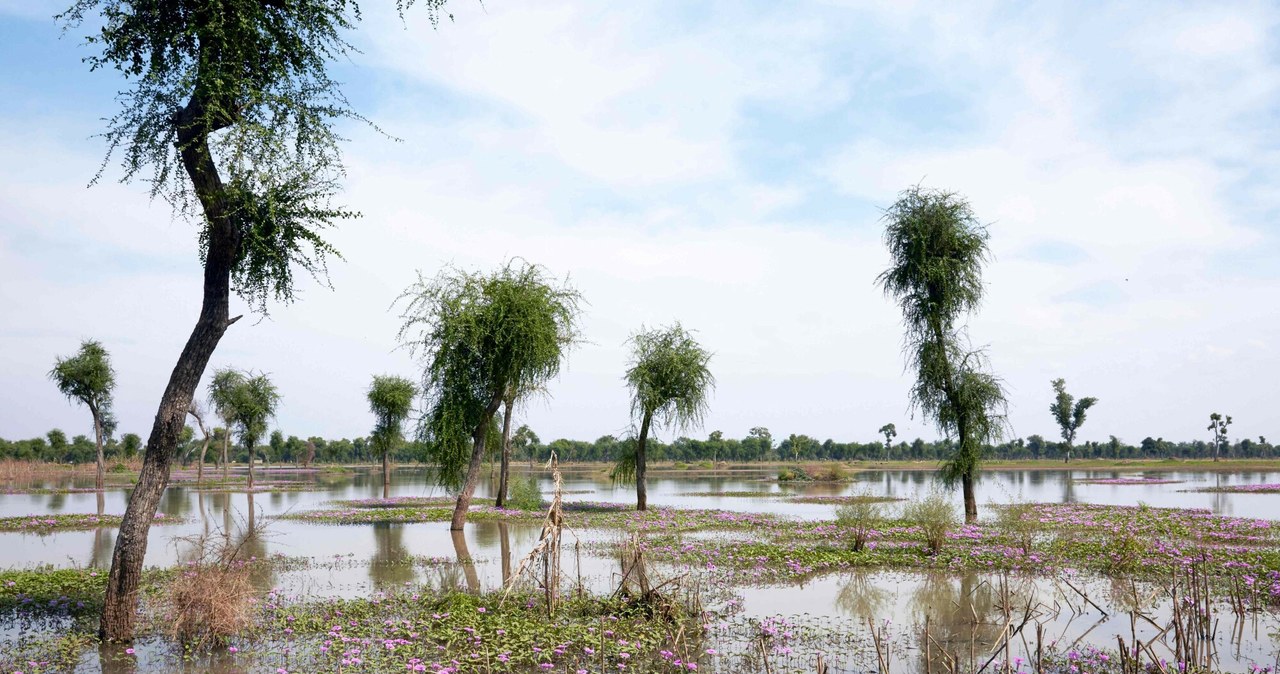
(119, 467)
(523, 494)
(791, 475)
(935, 516)
(211, 599)
(861, 517)
(831, 472)
(706, 465)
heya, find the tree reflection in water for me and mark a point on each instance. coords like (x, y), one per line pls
(391, 564)
(464, 560)
(861, 597)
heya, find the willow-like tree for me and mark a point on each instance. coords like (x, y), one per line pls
(482, 336)
(937, 248)
(390, 400)
(253, 401)
(88, 378)
(1069, 413)
(228, 113)
(670, 387)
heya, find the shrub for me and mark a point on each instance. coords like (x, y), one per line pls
(861, 517)
(706, 465)
(791, 474)
(119, 467)
(211, 599)
(935, 516)
(523, 494)
(831, 472)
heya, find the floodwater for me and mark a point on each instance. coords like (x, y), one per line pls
(354, 560)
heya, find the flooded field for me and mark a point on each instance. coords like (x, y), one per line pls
(856, 619)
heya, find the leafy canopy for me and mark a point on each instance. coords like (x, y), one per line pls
(250, 78)
(87, 377)
(669, 378)
(390, 400)
(222, 392)
(254, 400)
(482, 336)
(937, 248)
(1067, 411)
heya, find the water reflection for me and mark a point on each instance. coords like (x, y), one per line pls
(464, 560)
(391, 564)
(861, 596)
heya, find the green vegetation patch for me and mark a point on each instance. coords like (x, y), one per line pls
(42, 524)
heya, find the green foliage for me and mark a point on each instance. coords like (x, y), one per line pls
(861, 516)
(524, 494)
(252, 77)
(792, 475)
(1019, 521)
(938, 248)
(1067, 411)
(1218, 425)
(390, 400)
(86, 377)
(247, 401)
(483, 336)
(668, 377)
(935, 517)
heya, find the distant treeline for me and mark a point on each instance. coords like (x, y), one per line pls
(759, 445)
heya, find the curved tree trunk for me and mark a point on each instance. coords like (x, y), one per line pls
(119, 611)
(504, 467)
(642, 494)
(386, 473)
(473, 468)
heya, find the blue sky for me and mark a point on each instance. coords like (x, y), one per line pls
(723, 164)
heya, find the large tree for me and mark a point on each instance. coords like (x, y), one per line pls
(482, 336)
(88, 378)
(390, 400)
(670, 387)
(196, 410)
(228, 114)
(1069, 413)
(1218, 425)
(937, 248)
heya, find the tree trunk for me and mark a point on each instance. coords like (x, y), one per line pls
(204, 449)
(250, 470)
(464, 558)
(504, 542)
(970, 499)
(473, 468)
(642, 493)
(504, 467)
(97, 433)
(223, 238)
(386, 473)
(226, 434)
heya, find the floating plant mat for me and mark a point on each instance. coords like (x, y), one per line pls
(1241, 489)
(1126, 480)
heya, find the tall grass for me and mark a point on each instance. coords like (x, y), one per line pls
(935, 516)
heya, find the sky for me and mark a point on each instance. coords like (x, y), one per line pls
(723, 164)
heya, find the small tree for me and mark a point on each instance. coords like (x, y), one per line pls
(889, 431)
(222, 394)
(937, 249)
(670, 385)
(1069, 413)
(390, 400)
(87, 377)
(481, 337)
(196, 410)
(253, 402)
(1218, 425)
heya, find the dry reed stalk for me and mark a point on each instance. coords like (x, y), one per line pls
(547, 549)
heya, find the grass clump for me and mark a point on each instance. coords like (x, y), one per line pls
(861, 517)
(792, 475)
(935, 517)
(829, 472)
(1020, 523)
(211, 599)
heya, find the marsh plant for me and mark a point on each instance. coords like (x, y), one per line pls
(1019, 521)
(935, 517)
(861, 517)
(525, 494)
(211, 599)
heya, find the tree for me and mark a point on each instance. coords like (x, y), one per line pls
(937, 249)
(88, 378)
(1070, 417)
(222, 395)
(481, 337)
(229, 116)
(130, 444)
(1218, 425)
(889, 431)
(196, 410)
(390, 400)
(253, 401)
(670, 385)
(526, 440)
